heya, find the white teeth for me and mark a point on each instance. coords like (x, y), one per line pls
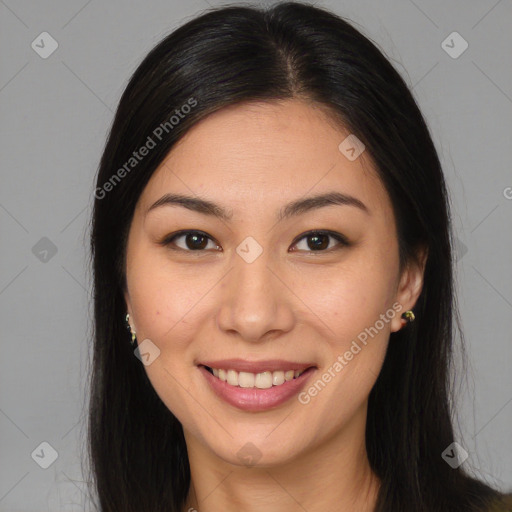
(263, 380)
(246, 380)
(277, 378)
(232, 378)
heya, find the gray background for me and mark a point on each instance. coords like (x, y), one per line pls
(55, 113)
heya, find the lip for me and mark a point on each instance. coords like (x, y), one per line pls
(255, 399)
(242, 365)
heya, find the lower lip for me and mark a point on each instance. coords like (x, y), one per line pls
(255, 399)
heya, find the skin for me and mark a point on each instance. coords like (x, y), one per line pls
(300, 305)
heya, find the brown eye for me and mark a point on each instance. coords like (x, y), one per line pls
(320, 241)
(190, 241)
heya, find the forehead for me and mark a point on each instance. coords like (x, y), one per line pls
(264, 152)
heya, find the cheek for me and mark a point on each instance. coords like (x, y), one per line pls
(353, 307)
(165, 303)
(349, 297)
(165, 300)
(352, 357)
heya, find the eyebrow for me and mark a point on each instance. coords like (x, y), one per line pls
(294, 208)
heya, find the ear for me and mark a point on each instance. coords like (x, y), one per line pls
(410, 286)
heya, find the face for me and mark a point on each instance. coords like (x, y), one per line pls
(260, 283)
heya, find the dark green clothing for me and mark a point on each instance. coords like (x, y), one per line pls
(504, 506)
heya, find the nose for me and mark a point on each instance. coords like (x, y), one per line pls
(256, 302)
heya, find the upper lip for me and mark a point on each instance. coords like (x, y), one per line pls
(241, 365)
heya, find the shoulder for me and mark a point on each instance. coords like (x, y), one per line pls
(503, 505)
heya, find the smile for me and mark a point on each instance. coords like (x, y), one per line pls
(262, 380)
(256, 392)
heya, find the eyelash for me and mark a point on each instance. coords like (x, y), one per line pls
(343, 242)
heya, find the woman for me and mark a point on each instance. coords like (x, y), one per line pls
(271, 224)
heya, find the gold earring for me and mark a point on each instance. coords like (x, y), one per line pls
(408, 316)
(134, 338)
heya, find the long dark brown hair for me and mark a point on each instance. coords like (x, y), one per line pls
(136, 448)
